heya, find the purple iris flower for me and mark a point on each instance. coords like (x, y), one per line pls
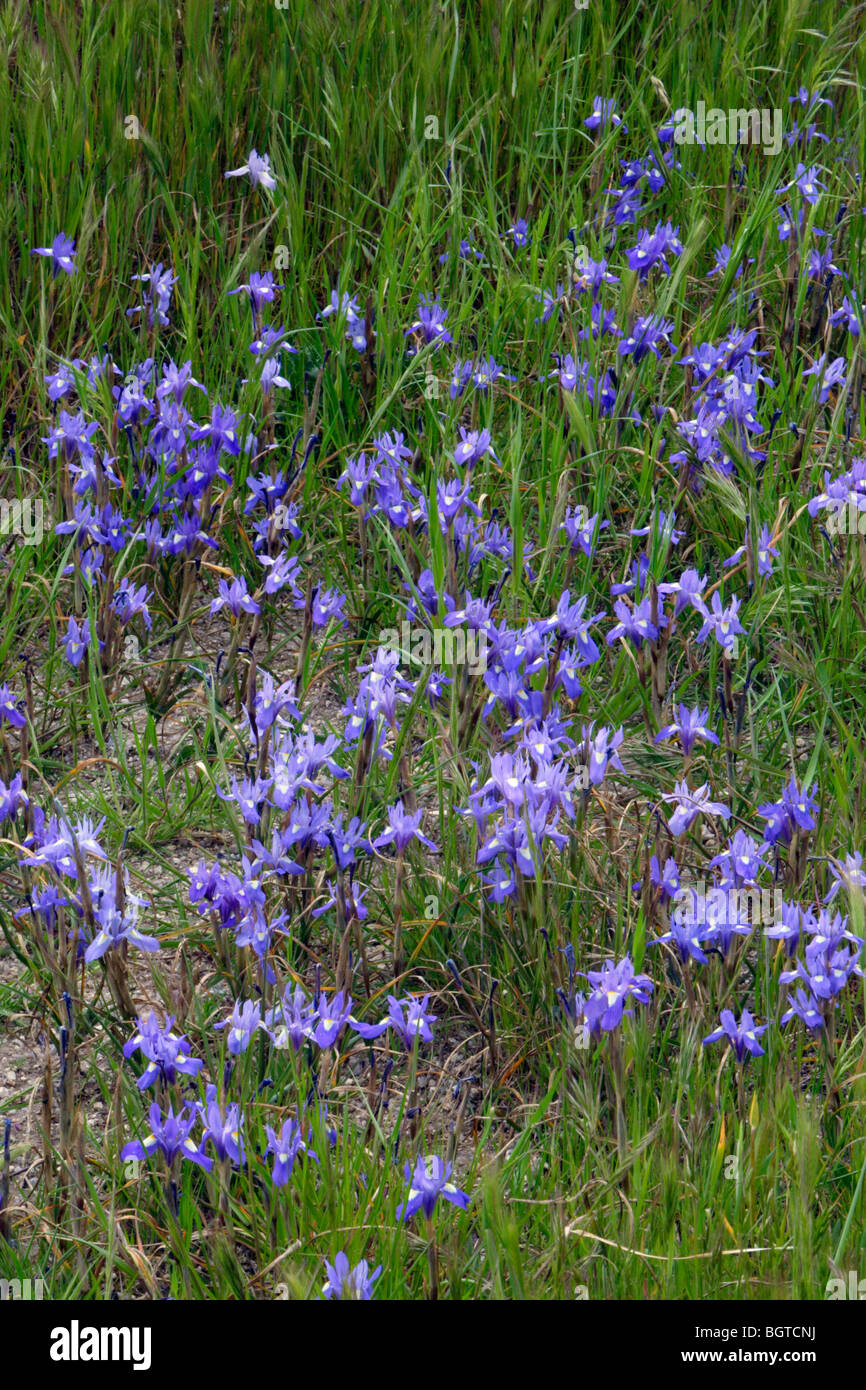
(687, 590)
(167, 1052)
(342, 306)
(500, 882)
(552, 303)
(685, 936)
(742, 861)
(261, 289)
(245, 1021)
(569, 372)
(115, 530)
(466, 251)
(826, 377)
(803, 1006)
(282, 572)
(60, 382)
(57, 841)
(429, 324)
(391, 448)
(847, 313)
(46, 904)
(601, 751)
(358, 473)
(254, 929)
(827, 934)
(266, 491)
(408, 1019)
(250, 797)
(519, 232)
(743, 1037)
(635, 624)
(582, 531)
(460, 377)
(258, 167)
(722, 259)
(849, 875)
(566, 674)
(821, 266)
(268, 338)
(10, 712)
(276, 858)
(451, 498)
(722, 622)
(157, 297)
(221, 432)
(429, 1180)
(691, 804)
(795, 811)
(171, 1136)
(184, 536)
(807, 182)
(667, 879)
(636, 583)
(663, 527)
(766, 553)
(588, 274)
(786, 225)
(332, 1015)
(13, 797)
(474, 444)
(271, 375)
(653, 248)
(175, 381)
(402, 830)
(789, 929)
(347, 1282)
(627, 207)
(292, 1020)
(486, 371)
(70, 436)
(172, 427)
(825, 973)
(327, 604)
(808, 99)
(346, 842)
(272, 701)
(134, 406)
(235, 597)
(223, 1130)
(88, 566)
(286, 1148)
(129, 600)
(571, 625)
(689, 725)
(613, 985)
(649, 335)
(61, 253)
(84, 525)
(115, 928)
(603, 114)
(778, 826)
